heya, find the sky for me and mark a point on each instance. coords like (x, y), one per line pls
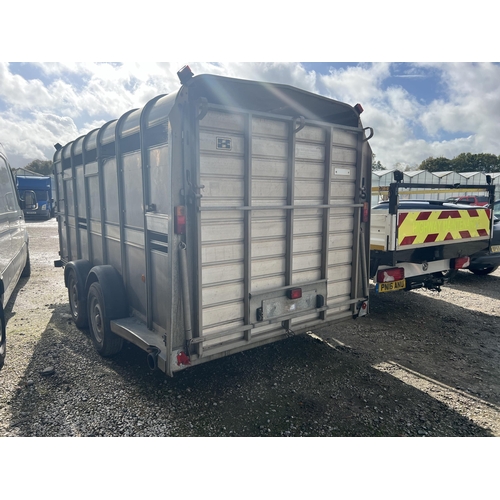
(417, 110)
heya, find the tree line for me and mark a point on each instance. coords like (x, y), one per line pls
(464, 162)
(43, 167)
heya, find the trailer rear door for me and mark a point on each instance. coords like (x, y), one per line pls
(279, 210)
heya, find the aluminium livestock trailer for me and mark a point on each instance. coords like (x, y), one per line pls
(220, 217)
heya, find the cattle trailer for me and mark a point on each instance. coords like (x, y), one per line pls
(223, 216)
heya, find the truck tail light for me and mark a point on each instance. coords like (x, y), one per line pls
(460, 263)
(180, 220)
(392, 274)
(294, 293)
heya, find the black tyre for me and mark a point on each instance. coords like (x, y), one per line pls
(105, 341)
(3, 340)
(485, 271)
(77, 304)
(26, 273)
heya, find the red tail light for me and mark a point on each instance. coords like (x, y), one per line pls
(294, 293)
(180, 220)
(460, 263)
(365, 212)
(392, 274)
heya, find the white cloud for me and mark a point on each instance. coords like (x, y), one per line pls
(20, 92)
(357, 83)
(285, 73)
(35, 138)
(472, 107)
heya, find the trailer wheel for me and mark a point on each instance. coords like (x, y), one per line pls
(77, 304)
(105, 341)
(3, 338)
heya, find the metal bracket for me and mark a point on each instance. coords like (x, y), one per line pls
(302, 124)
(203, 103)
(371, 134)
(260, 314)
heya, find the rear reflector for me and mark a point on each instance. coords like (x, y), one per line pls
(320, 301)
(180, 220)
(460, 263)
(294, 293)
(366, 214)
(388, 275)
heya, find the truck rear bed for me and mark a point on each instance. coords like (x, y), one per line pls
(425, 238)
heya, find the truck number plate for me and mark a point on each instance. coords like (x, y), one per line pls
(495, 249)
(392, 286)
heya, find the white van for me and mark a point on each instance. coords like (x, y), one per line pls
(14, 254)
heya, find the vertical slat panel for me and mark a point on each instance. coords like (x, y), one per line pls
(342, 220)
(223, 168)
(270, 188)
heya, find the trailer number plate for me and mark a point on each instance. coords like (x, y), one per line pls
(224, 143)
(392, 286)
(283, 306)
(342, 171)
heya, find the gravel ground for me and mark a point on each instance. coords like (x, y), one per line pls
(421, 364)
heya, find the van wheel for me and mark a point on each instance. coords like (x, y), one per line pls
(77, 304)
(485, 271)
(26, 273)
(105, 341)
(3, 340)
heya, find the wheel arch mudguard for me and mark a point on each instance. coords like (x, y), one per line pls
(82, 269)
(111, 282)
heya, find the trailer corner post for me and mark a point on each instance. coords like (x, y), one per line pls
(186, 304)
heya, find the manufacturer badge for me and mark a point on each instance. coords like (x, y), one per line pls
(224, 143)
